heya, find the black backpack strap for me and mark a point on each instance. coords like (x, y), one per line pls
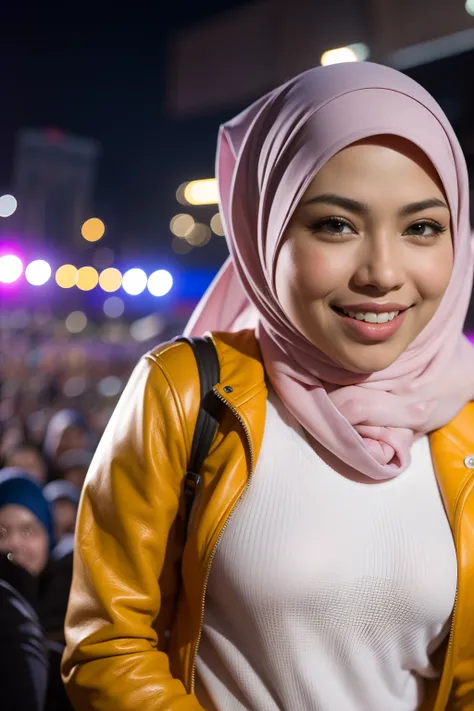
(206, 424)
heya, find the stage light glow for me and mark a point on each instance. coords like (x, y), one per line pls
(66, 276)
(180, 246)
(93, 229)
(201, 192)
(8, 205)
(160, 282)
(134, 281)
(357, 52)
(110, 279)
(87, 278)
(113, 307)
(338, 56)
(76, 322)
(181, 225)
(38, 272)
(199, 235)
(216, 225)
(11, 268)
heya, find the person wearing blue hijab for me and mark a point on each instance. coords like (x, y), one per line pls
(63, 498)
(26, 524)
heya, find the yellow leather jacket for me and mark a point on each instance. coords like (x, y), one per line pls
(137, 601)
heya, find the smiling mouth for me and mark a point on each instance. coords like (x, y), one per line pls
(368, 316)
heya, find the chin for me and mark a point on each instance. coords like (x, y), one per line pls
(367, 363)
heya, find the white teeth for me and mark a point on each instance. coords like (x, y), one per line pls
(372, 317)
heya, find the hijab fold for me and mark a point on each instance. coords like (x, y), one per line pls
(266, 158)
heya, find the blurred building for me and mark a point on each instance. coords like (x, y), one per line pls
(240, 54)
(54, 176)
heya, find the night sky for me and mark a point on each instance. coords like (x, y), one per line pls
(99, 71)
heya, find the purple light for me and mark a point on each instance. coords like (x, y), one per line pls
(11, 269)
(38, 272)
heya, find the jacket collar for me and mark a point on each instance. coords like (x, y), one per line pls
(242, 385)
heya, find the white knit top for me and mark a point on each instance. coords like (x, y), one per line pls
(326, 594)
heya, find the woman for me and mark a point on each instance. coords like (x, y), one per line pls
(67, 430)
(26, 526)
(63, 499)
(25, 540)
(328, 563)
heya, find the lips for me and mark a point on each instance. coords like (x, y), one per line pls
(370, 321)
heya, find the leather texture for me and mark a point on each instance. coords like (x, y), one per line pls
(137, 600)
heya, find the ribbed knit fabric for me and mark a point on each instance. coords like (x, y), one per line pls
(326, 594)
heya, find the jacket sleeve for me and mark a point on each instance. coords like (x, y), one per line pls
(128, 508)
(24, 668)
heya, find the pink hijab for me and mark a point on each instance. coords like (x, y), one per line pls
(266, 158)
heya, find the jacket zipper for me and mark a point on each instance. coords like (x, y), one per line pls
(221, 533)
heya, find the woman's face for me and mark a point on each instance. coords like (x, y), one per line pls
(368, 254)
(24, 537)
(72, 438)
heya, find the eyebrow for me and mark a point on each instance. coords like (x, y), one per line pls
(362, 208)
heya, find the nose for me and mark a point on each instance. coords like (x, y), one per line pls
(381, 265)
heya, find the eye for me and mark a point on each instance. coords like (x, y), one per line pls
(333, 225)
(425, 229)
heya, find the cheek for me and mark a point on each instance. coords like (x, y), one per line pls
(39, 550)
(432, 273)
(309, 270)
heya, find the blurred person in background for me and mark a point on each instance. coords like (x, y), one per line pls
(28, 458)
(67, 430)
(26, 527)
(24, 659)
(72, 466)
(63, 499)
(329, 558)
(26, 538)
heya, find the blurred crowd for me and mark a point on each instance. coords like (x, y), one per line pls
(57, 394)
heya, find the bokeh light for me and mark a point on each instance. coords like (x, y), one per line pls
(216, 225)
(76, 322)
(470, 7)
(147, 328)
(199, 235)
(87, 278)
(66, 276)
(11, 268)
(93, 229)
(134, 281)
(110, 386)
(201, 192)
(75, 386)
(181, 246)
(357, 52)
(110, 279)
(8, 205)
(160, 282)
(113, 307)
(337, 56)
(181, 225)
(38, 272)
